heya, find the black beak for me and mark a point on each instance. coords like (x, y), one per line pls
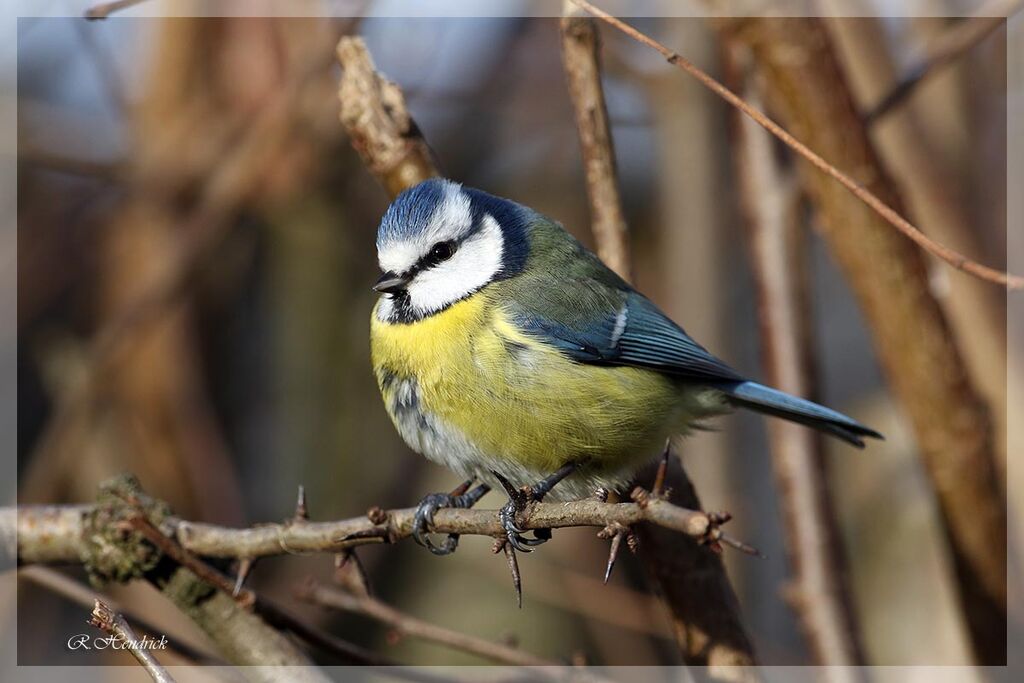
(390, 283)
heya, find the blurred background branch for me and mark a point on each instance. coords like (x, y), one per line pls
(912, 337)
(778, 246)
(945, 49)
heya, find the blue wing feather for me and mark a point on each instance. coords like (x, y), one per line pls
(637, 334)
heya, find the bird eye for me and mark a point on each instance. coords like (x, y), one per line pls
(442, 251)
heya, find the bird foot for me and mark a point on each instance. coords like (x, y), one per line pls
(423, 520)
(519, 500)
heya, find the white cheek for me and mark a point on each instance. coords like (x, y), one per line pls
(385, 309)
(475, 264)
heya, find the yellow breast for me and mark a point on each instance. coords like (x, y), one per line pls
(513, 397)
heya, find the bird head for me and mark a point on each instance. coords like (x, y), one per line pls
(440, 242)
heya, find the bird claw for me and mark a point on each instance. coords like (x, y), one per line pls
(423, 519)
(513, 532)
(518, 499)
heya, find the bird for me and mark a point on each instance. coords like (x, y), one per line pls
(508, 352)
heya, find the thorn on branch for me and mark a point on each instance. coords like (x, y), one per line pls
(301, 509)
(502, 544)
(617, 533)
(245, 566)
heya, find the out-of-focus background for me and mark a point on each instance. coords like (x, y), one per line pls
(143, 143)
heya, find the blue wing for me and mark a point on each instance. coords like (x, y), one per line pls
(630, 330)
(634, 333)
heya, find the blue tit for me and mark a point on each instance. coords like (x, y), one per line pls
(511, 354)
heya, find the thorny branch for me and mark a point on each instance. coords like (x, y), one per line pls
(890, 215)
(100, 537)
(115, 625)
(57, 534)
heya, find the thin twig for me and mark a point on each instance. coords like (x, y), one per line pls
(105, 9)
(408, 625)
(114, 624)
(950, 256)
(346, 652)
(954, 43)
(581, 56)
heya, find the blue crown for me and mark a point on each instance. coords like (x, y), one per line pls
(411, 211)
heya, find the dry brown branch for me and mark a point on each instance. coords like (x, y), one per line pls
(105, 9)
(776, 243)
(890, 215)
(959, 39)
(407, 625)
(117, 627)
(373, 112)
(709, 629)
(57, 534)
(581, 56)
(912, 337)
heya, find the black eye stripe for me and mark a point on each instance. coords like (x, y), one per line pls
(440, 252)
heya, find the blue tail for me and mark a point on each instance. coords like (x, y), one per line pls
(773, 402)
